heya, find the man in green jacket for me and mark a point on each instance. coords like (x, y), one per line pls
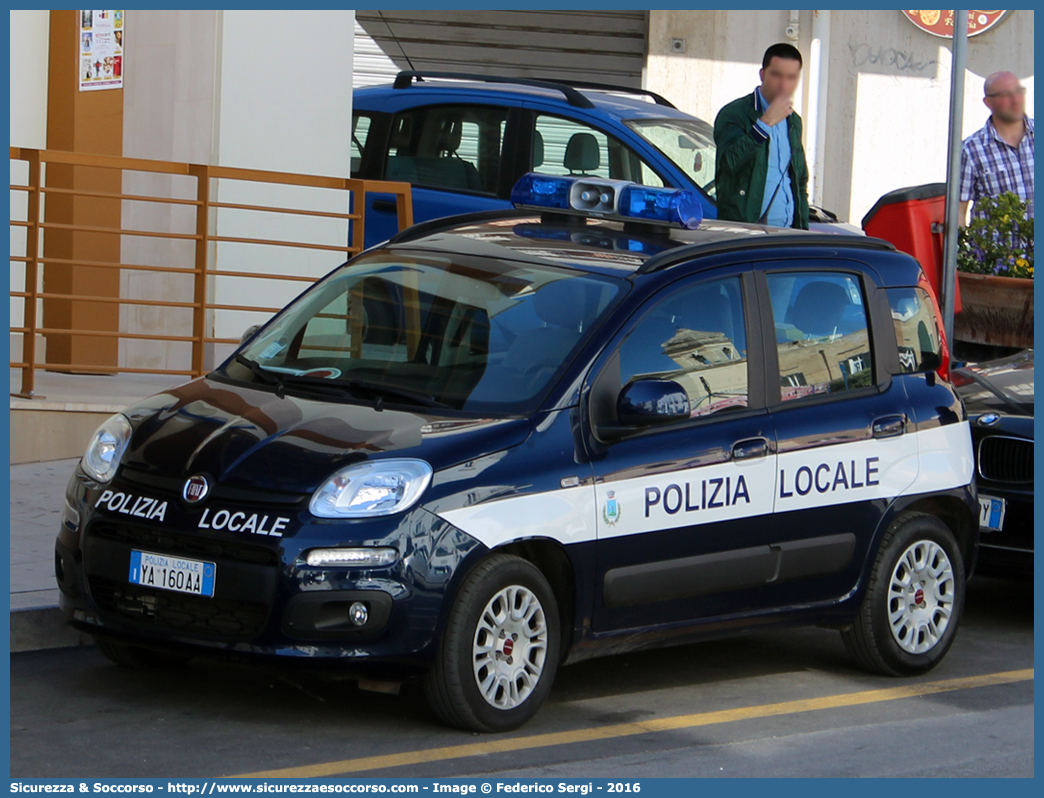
(760, 170)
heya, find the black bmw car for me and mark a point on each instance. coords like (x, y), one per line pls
(999, 398)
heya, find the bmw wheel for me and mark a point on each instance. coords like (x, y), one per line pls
(914, 600)
(500, 650)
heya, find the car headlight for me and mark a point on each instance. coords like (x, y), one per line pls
(383, 487)
(103, 454)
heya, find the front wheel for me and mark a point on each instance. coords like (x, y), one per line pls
(914, 600)
(500, 650)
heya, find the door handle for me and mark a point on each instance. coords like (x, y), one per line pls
(388, 206)
(750, 449)
(889, 427)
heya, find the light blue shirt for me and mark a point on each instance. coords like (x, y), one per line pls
(781, 214)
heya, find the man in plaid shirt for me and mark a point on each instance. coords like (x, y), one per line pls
(999, 157)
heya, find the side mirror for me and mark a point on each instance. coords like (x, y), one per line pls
(248, 333)
(645, 403)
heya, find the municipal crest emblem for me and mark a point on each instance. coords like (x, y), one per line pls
(611, 511)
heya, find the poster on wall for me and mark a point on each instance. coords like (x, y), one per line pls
(101, 50)
(940, 23)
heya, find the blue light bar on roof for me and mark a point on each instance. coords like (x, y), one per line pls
(608, 199)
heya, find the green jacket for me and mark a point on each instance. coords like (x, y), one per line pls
(741, 164)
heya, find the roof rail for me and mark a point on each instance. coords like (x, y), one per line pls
(405, 79)
(673, 257)
(584, 84)
(422, 229)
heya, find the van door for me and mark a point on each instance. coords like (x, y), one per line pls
(846, 445)
(683, 510)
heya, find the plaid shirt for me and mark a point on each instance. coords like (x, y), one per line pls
(990, 166)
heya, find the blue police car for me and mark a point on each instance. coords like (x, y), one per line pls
(464, 140)
(518, 439)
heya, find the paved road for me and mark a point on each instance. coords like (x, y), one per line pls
(780, 703)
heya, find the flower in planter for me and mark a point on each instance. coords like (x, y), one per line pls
(1000, 242)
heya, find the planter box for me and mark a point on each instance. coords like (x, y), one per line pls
(997, 311)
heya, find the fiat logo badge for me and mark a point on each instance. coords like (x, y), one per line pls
(196, 489)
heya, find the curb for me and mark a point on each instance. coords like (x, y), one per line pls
(42, 628)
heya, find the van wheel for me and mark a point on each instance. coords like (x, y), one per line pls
(914, 600)
(500, 651)
(136, 657)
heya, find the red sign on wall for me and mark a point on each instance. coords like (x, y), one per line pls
(940, 23)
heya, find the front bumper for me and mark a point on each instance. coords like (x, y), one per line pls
(267, 604)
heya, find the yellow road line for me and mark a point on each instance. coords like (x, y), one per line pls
(502, 745)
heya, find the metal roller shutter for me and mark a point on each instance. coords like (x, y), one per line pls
(601, 46)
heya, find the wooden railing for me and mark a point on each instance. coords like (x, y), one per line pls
(201, 271)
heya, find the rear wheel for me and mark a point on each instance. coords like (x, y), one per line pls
(500, 650)
(914, 601)
(136, 657)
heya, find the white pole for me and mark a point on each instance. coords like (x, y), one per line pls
(818, 96)
(953, 168)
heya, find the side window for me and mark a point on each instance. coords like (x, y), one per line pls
(566, 147)
(821, 333)
(360, 130)
(697, 337)
(455, 147)
(916, 329)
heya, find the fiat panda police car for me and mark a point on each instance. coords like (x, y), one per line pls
(504, 442)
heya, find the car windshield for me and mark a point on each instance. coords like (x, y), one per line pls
(475, 334)
(687, 142)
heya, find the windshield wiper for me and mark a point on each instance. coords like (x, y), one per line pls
(351, 386)
(342, 387)
(263, 374)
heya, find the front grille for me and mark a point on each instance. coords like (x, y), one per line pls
(1004, 459)
(188, 545)
(195, 616)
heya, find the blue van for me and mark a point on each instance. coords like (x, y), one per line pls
(464, 140)
(510, 441)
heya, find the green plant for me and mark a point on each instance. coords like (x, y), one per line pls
(999, 241)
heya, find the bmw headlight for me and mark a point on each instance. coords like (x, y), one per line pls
(382, 487)
(103, 454)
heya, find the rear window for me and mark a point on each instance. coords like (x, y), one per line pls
(916, 329)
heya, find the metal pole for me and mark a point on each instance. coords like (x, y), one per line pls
(953, 168)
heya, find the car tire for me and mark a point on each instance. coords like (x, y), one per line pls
(136, 657)
(914, 600)
(482, 680)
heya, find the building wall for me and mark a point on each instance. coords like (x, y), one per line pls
(30, 43)
(888, 89)
(267, 90)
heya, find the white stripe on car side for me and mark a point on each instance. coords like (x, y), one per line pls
(928, 461)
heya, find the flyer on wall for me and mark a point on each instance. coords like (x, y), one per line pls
(101, 50)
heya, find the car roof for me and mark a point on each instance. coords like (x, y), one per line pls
(608, 246)
(616, 104)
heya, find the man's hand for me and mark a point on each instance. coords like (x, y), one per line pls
(778, 110)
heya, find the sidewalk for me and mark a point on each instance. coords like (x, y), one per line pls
(37, 497)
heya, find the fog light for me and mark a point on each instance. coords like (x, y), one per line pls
(359, 558)
(358, 613)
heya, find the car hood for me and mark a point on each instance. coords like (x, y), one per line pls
(247, 438)
(1002, 386)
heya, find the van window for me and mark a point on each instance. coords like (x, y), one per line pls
(697, 337)
(360, 130)
(566, 147)
(448, 146)
(821, 333)
(916, 329)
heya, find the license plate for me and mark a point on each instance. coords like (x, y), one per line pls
(991, 514)
(172, 573)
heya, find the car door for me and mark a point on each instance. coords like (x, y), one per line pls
(451, 153)
(682, 509)
(841, 423)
